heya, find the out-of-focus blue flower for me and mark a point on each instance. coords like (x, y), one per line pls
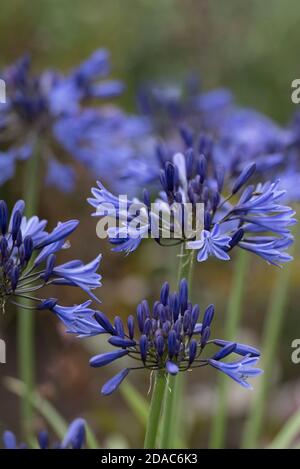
(28, 257)
(169, 337)
(74, 438)
(52, 112)
(106, 142)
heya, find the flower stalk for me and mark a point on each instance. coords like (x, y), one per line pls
(26, 314)
(155, 410)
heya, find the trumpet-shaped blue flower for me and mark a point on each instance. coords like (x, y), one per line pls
(169, 337)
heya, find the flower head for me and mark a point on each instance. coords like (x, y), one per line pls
(28, 257)
(170, 338)
(200, 206)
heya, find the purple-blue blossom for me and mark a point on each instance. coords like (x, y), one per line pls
(173, 336)
(28, 257)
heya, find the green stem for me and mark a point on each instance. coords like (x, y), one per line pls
(272, 328)
(233, 316)
(155, 410)
(173, 405)
(26, 316)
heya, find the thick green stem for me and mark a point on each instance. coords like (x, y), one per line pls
(232, 320)
(272, 328)
(173, 405)
(26, 316)
(155, 410)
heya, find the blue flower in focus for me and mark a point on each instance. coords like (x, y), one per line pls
(74, 438)
(28, 257)
(169, 337)
(256, 220)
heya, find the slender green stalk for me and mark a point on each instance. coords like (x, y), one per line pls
(272, 328)
(26, 316)
(173, 405)
(232, 320)
(155, 410)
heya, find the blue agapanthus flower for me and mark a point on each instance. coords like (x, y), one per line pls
(170, 338)
(48, 111)
(196, 193)
(74, 438)
(28, 258)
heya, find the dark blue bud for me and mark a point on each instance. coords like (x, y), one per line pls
(119, 328)
(22, 255)
(205, 194)
(106, 358)
(146, 197)
(240, 349)
(148, 327)
(205, 334)
(183, 295)
(207, 220)
(175, 306)
(244, 177)
(49, 303)
(166, 328)
(155, 312)
(28, 247)
(192, 350)
(3, 247)
(111, 385)
(172, 343)
(16, 223)
(160, 345)
(202, 168)
(121, 342)
(189, 162)
(208, 316)
(236, 238)
(169, 172)
(130, 326)
(220, 174)
(49, 267)
(176, 178)
(177, 327)
(161, 155)
(162, 313)
(146, 309)
(225, 351)
(164, 293)
(195, 316)
(104, 322)
(187, 322)
(172, 368)
(140, 317)
(19, 239)
(186, 136)
(215, 200)
(3, 217)
(192, 195)
(14, 277)
(143, 347)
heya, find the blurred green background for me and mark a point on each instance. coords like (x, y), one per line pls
(252, 48)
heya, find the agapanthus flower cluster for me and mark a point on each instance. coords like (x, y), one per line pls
(28, 261)
(74, 438)
(40, 105)
(231, 213)
(170, 337)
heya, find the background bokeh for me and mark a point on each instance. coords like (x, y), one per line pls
(250, 47)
